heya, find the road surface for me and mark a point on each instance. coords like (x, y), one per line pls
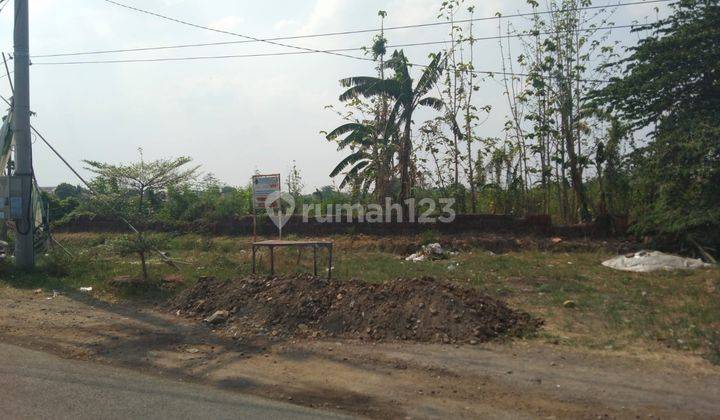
(38, 385)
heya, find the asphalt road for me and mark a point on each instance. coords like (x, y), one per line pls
(41, 386)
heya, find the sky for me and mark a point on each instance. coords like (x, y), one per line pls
(232, 116)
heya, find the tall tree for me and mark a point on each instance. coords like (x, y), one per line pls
(470, 114)
(670, 84)
(548, 116)
(368, 134)
(408, 96)
(453, 84)
(294, 181)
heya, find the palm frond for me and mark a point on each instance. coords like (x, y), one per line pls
(348, 160)
(393, 117)
(369, 87)
(359, 138)
(352, 173)
(433, 103)
(399, 63)
(430, 76)
(345, 128)
(358, 80)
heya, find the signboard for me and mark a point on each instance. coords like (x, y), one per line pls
(263, 186)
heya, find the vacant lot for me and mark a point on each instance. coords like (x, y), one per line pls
(612, 342)
(610, 309)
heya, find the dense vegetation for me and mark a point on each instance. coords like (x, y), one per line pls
(576, 145)
(671, 83)
(593, 130)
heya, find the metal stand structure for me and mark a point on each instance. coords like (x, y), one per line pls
(271, 245)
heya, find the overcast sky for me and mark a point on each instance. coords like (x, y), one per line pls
(232, 116)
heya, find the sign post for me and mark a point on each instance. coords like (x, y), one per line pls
(263, 186)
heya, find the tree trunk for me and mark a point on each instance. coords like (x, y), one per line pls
(143, 262)
(471, 175)
(405, 152)
(575, 174)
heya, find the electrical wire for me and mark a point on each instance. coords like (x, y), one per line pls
(7, 73)
(412, 26)
(213, 44)
(286, 53)
(484, 72)
(341, 54)
(208, 57)
(290, 53)
(222, 31)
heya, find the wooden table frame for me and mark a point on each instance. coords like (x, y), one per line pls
(271, 245)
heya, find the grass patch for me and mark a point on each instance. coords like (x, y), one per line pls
(612, 309)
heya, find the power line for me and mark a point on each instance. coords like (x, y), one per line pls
(338, 50)
(303, 50)
(212, 44)
(221, 31)
(211, 57)
(207, 57)
(170, 59)
(54, 150)
(274, 41)
(226, 56)
(7, 74)
(286, 53)
(430, 24)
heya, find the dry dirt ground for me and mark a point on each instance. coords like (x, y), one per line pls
(522, 379)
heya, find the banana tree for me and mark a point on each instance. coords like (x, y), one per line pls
(408, 96)
(370, 158)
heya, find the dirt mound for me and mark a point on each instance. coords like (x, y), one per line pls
(407, 309)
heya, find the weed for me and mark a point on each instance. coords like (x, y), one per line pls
(57, 263)
(429, 237)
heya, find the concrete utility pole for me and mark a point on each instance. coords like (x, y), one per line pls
(24, 251)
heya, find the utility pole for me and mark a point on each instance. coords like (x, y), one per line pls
(24, 250)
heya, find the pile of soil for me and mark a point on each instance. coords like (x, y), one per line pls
(422, 309)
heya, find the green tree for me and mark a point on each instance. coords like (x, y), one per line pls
(65, 190)
(408, 96)
(368, 134)
(142, 179)
(118, 184)
(60, 209)
(670, 84)
(369, 157)
(294, 181)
